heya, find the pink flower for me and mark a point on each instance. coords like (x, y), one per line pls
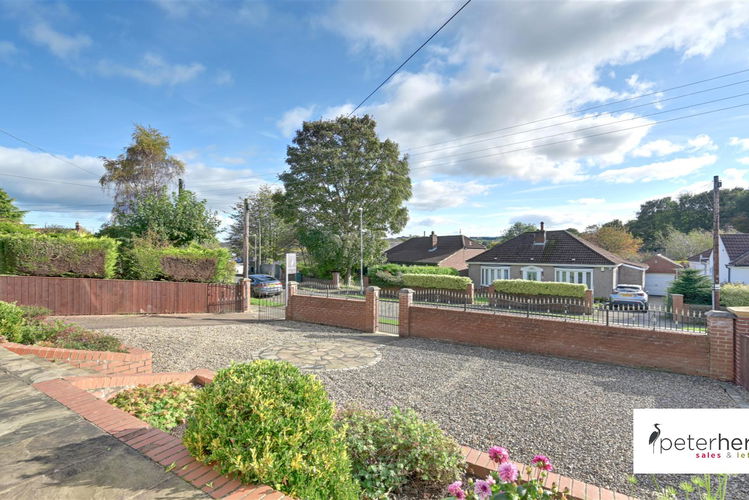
(490, 480)
(482, 489)
(456, 490)
(542, 462)
(508, 472)
(498, 454)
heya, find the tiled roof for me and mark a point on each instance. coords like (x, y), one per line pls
(420, 250)
(736, 245)
(561, 247)
(702, 256)
(661, 264)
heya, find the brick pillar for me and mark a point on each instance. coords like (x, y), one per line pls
(588, 301)
(677, 307)
(372, 313)
(246, 297)
(290, 301)
(405, 299)
(469, 293)
(720, 333)
(741, 333)
(336, 280)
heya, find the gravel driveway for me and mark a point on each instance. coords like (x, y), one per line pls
(578, 413)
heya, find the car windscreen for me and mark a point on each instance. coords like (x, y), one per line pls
(627, 289)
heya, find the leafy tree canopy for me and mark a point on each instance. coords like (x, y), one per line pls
(681, 246)
(615, 238)
(8, 210)
(336, 168)
(515, 230)
(144, 169)
(179, 219)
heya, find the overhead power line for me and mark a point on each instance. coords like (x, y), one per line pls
(47, 152)
(53, 181)
(409, 58)
(583, 110)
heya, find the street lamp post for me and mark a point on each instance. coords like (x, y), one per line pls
(361, 248)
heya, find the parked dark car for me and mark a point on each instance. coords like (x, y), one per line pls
(263, 285)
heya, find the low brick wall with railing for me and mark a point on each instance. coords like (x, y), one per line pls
(340, 311)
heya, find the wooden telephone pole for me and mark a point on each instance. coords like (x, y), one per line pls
(716, 242)
(246, 241)
(180, 186)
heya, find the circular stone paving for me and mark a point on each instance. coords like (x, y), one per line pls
(323, 355)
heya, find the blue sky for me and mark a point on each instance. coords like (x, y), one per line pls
(229, 82)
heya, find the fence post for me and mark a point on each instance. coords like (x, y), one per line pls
(588, 301)
(677, 307)
(720, 334)
(336, 280)
(405, 299)
(469, 293)
(246, 295)
(372, 306)
(289, 301)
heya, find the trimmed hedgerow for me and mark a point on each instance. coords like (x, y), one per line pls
(528, 287)
(389, 275)
(267, 422)
(443, 282)
(399, 453)
(71, 256)
(193, 263)
(734, 295)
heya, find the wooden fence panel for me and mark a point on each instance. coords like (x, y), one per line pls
(86, 296)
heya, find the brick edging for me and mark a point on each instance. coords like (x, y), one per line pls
(160, 447)
(480, 465)
(135, 360)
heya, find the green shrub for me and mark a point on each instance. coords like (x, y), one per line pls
(164, 406)
(42, 255)
(35, 313)
(693, 285)
(398, 452)
(444, 282)
(12, 322)
(734, 295)
(7, 226)
(268, 423)
(389, 275)
(528, 287)
(193, 263)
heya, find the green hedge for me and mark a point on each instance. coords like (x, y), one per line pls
(527, 287)
(441, 281)
(734, 295)
(193, 263)
(72, 256)
(390, 275)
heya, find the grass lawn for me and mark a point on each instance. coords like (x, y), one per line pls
(388, 321)
(267, 302)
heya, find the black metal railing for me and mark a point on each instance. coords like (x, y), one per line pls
(328, 290)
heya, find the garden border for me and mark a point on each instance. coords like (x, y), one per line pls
(155, 444)
(133, 361)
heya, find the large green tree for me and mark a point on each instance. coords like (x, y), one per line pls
(515, 230)
(681, 246)
(179, 219)
(144, 169)
(9, 212)
(338, 171)
(270, 235)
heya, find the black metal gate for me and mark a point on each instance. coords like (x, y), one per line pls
(269, 307)
(389, 307)
(223, 298)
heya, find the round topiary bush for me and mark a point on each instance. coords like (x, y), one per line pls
(266, 422)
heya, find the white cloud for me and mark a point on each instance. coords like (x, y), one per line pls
(233, 160)
(659, 147)
(658, 171)
(62, 45)
(224, 78)
(742, 144)
(702, 142)
(293, 118)
(431, 194)
(8, 50)
(731, 178)
(588, 201)
(744, 160)
(153, 70)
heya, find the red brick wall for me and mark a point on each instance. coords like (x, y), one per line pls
(331, 311)
(672, 351)
(741, 357)
(720, 324)
(110, 363)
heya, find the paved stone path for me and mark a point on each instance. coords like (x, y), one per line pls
(323, 355)
(49, 452)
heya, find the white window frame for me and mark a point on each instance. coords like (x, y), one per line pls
(491, 273)
(574, 275)
(533, 269)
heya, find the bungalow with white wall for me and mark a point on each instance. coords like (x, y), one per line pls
(733, 255)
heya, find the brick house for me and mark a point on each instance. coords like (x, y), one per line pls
(661, 272)
(433, 250)
(555, 256)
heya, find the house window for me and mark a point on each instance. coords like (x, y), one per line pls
(579, 276)
(489, 274)
(532, 273)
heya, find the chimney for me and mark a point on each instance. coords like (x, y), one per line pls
(77, 226)
(434, 240)
(539, 237)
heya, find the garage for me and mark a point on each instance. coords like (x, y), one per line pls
(661, 272)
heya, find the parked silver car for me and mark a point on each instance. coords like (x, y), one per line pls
(629, 297)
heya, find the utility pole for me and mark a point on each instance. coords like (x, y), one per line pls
(361, 248)
(180, 186)
(246, 241)
(716, 242)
